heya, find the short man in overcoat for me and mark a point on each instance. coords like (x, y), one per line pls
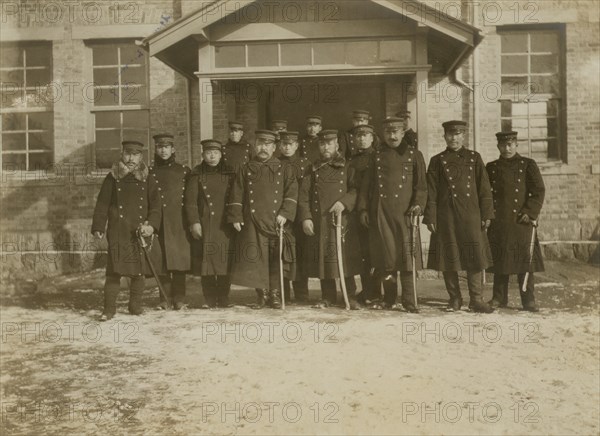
(309, 145)
(347, 140)
(394, 189)
(236, 151)
(206, 194)
(410, 136)
(288, 150)
(518, 190)
(127, 202)
(458, 212)
(328, 190)
(169, 177)
(263, 199)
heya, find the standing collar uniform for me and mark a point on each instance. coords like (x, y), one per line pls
(235, 154)
(309, 148)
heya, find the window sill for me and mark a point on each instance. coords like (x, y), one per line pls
(558, 168)
(38, 179)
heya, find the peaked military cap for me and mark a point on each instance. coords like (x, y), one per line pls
(326, 135)
(268, 135)
(236, 125)
(393, 123)
(132, 145)
(164, 138)
(504, 136)
(211, 144)
(314, 119)
(279, 124)
(361, 115)
(289, 135)
(365, 128)
(403, 114)
(455, 125)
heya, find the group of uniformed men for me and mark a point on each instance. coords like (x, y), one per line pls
(251, 210)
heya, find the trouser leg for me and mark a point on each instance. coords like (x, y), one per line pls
(209, 290)
(112, 286)
(301, 289)
(136, 291)
(475, 285)
(527, 297)
(350, 286)
(452, 285)
(500, 289)
(178, 286)
(287, 289)
(165, 281)
(223, 285)
(408, 288)
(390, 292)
(328, 290)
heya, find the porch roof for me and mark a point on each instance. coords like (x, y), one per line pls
(449, 41)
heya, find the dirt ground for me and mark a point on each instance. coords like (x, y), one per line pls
(302, 371)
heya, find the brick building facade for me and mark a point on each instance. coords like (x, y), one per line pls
(77, 77)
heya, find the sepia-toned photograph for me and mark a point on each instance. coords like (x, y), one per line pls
(310, 217)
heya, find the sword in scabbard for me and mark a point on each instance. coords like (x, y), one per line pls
(534, 225)
(414, 227)
(337, 223)
(144, 246)
(281, 281)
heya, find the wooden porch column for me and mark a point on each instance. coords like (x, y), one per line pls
(205, 89)
(419, 106)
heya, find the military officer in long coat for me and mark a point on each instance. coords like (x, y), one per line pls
(206, 193)
(359, 162)
(326, 191)
(410, 136)
(126, 202)
(288, 150)
(169, 177)
(518, 190)
(347, 140)
(394, 188)
(263, 199)
(236, 151)
(458, 212)
(309, 145)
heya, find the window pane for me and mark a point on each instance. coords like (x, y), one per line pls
(13, 79)
(544, 42)
(553, 151)
(38, 77)
(13, 122)
(10, 161)
(329, 53)
(40, 161)
(134, 95)
(514, 43)
(230, 56)
(544, 64)
(105, 55)
(506, 125)
(545, 85)
(506, 108)
(107, 139)
(132, 54)
(38, 56)
(396, 51)
(296, 54)
(13, 141)
(519, 109)
(135, 119)
(136, 135)
(514, 64)
(10, 97)
(514, 87)
(11, 56)
(263, 55)
(39, 97)
(521, 127)
(539, 151)
(133, 75)
(41, 141)
(41, 121)
(108, 119)
(106, 76)
(106, 97)
(538, 108)
(362, 53)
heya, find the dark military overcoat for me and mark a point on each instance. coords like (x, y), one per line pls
(518, 188)
(169, 178)
(125, 201)
(234, 155)
(410, 138)
(459, 199)
(309, 148)
(348, 147)
(260, 192)
(321, 188)
(395, 181)
(206, 194)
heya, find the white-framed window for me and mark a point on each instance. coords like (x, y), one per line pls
(121, 99)
(533, 90)
(26, 107)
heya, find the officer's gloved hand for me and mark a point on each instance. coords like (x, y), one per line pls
(364, 218)
(98, 235)
(196, 231)
(238, 226)
(281, 220)
(432, 228)
(414, 210)
(308, 227)
(485, 224)
(146, 230)
(524, 219)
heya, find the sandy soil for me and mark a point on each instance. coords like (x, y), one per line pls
(302, 371)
